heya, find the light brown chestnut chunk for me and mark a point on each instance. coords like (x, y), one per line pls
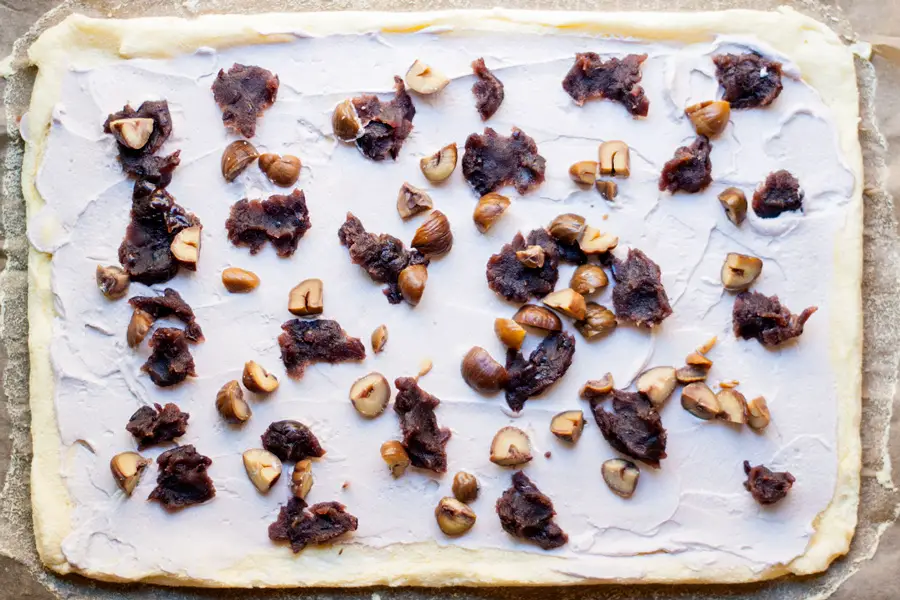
(584, 172)
(758, 415)
(138, 327)
(531, 315)
(593, 241)
(454, 517)
(345, 122)
(256, 379)
(465, 487)
(411, 282)
(433, 237)
(597, 388)
(700, 401)
(302, 479)
(621, 476)
(740, 271)
(239, 281)
(306, 298)
(567, 228)
(657, 384)
(588, 279)
(231, 404)
(412, 201)
(608, 189)
(370, 395)
(567, 425)
(379, 338)
(692, 373)
(185, 246)
(236, 158)
(614, 159)
(482, 373)
(734, 202)
(281, 170)
(425, 80)
(532, 257)
(439, 166)
(394, 454)
(509, 332)
(510, 447)
(598, 321)
(113, 281)
(127, 469)
(568, 302)
(489, 209)
(709, 118)
(733, 406)
(135, 132)
(263, 468)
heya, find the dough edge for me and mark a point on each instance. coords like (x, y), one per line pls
(825, 63)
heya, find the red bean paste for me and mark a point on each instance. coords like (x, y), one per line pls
(151, 426)
(423, 439)
(488, 90)
(614, 79)
(244, 93)
(635, 427)
(142, 163)
(170, 304)
(507, 276)
(780, 192)
(749, 80)
(170, 361)
(386, 124)
(291, 441)
(767, 487)
(527, 513)
(304, 342)
(318, 524)
(690, 170)
(492, 161)
(639, 295)
(545, 366)
(182, 480)
(760, 317)
(155, 221)
(382, 256)
(281, 220)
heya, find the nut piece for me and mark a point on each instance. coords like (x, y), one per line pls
(236, 158)
(465, 487)
(113, 281)
(379, 338)
(454, 517)
(568, 302)
(709, 118)
(567, 228)
(532, 315)
(306, 299)
(488, 210)
(696, 359)
(412, 282)
(615, 159)
(135, 132)
(510, 447)
(138, 327)
(621, 476)
(394, 454)
(734, 202)
(433, 237)
(532, 257)
(345, 122)
(568, 425)
(595, 242)
(239, 281)
(733, 405)
(256, 379)
(707, 345)
(588, 279)
(584, 171)
(598, 320)
(231, 404)
(597, 388)
(758, 416)
(740, 271)
(263, 468)
(510, 333)
(412, 201)
(440, 165)
(657, 384)
(423, 79)
(700, 401)
(482, 372)
(186, 246)
(692, 374)
(302, 479)
(281, 170)
(608, 189)
(425, 367)
(127, 468)
(370, 395)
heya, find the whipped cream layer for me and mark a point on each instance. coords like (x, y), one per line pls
(694, 507)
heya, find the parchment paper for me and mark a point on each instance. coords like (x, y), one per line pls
(870, 24)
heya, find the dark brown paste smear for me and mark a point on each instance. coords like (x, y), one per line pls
(387, 124)
(639, 295)
(545, 366)
(492, 161)
(760, 317)
(780, 192)
(767, 487)
(382, 256)
(528, 514)
(319, 524)
(170, 304)
(614, 79)
(151, 426)
(749, 80)
(244, 93)
(423, 439)
(291, 441)
(488, 90)
(182, 480)
(304, 342)
(690, 170)
(281, 220)
(155, 221)
(171, 362)
(507, 276)
(142, 163)
(635, 428)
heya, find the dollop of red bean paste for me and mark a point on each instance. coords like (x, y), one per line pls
(244, 93)
(507, 276)
(170, 361)
(281, 220)
(303, 342)
(749, 80)
(545, 366)
(151, 426)
(528, 514)
(635, 428)
(182, 480)
(766, 486)
(423, 439)
(639, 295)
(492, 161)
(690, 170)
(170, 304)
(488, 90)
(761, 317)
(318, 524)
(779, 193)
(142, 163)
(386, 124)
(616, 79)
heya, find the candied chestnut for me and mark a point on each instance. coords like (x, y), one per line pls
(488, 90)
(424, 441)
(492, 161)
(182, 480)
(639, 295)
(386, 124)
(151, 426)
(749, 80)
(170, 304)
(292, 441)
(545, 366)
(318, 524)
(170, 361)
(281, 220)
(781, 192)
(761, 317)
(690, 170)
(304, 342)
(766, 486)
(616, 79)
(515, 281)
(527, 513)
(244, 93)
(635, 427)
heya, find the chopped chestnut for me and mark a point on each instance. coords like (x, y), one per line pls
(263, 468)
(134, 132)
(597, 388)
(482, 372)
(584, 172)
(411, 283)
(465, 487)
(306, 298)
(709, 118)
(532, 315)
(345, 122)
(734, 202)
(568, 302)
(733, 406)
(439, 166)
(758, 415)
(700, 401)
(454, 517)
(291, 441)
(509, 332)
(657, 384)
(598, 321)
(532, 257)
(614, 159)
(127, 469)
(588, 279)
(594, 241)
(489, 209)
(239, 281)
(370, 395)
(113, 281)
(510, 447)
(567, 228)
(231, 404)
(621, 476)
(412, 201)
(608, 189)
(767, 486)
(433, 237)
(302, 479)
(256, 379)
(739, 271)
(283, 170)
(394, 454)
(567, 425)
(425, 80)
(138, 327)
(379, 338)
(238, 155)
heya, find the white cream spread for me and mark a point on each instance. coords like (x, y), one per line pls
(695, 505)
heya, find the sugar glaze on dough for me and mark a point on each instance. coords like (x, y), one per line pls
(825, 65)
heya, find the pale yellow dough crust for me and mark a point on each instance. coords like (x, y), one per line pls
(825, 64)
